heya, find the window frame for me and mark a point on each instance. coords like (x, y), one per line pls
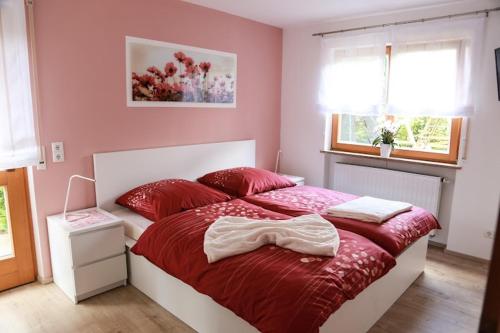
(450, 158)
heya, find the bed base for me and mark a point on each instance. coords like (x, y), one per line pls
(206, 316)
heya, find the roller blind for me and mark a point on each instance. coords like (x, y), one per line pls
(353, 74)
(18, 144)
(430, 70)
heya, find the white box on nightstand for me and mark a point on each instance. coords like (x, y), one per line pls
(87, 254)
(296, 179)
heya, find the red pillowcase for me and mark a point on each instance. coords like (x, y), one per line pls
(157, 200)
(245, 181)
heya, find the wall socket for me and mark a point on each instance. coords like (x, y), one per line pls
(57, 152)
(488, 234)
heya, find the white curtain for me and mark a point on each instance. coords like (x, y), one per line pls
(426, 80)
(433, 66)
(353, 74)
(18, 144)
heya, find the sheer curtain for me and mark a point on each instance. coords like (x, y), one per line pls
(432, 67)
(426, 80)
(353, 74)
(18, 144)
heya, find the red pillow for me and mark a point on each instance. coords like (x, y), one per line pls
(245, 181)
(157, 200)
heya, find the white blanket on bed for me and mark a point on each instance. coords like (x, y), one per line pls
(369, 209)
(231, 235)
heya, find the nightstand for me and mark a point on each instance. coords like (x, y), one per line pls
(296, 179)
(87, 254)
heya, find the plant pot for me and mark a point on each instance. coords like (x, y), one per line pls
(385, 150)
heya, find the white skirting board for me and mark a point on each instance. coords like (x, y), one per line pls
(206, 316)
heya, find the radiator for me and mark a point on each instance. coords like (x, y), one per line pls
(419, 190)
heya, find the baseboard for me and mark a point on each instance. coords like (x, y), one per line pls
(466, 256)
(457, 254)
(43, 280)
(436, 244)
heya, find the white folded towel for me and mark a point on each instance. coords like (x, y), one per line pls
(369, 209)
(231, 235)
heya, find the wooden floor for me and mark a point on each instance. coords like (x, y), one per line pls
(446, 298)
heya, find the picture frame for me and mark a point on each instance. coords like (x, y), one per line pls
(162, 74)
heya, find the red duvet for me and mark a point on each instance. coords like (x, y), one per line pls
(274, 289)
(394, 235)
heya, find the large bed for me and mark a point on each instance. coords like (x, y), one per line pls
(118, 172)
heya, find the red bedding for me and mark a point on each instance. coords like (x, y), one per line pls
(394, 235)
(274, 289)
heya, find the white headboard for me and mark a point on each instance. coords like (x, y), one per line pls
(118, 172)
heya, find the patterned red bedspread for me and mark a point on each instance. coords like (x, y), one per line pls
(394, 235)
(274, 289)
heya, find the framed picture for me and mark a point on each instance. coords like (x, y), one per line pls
(161, 74)
(497, 60)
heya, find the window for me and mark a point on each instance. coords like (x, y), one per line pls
(423, 138)
(408, 86)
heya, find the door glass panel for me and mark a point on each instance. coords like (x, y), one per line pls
(6, 248)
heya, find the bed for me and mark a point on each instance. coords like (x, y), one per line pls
(394, 235)
(273, 288)
(194, 308)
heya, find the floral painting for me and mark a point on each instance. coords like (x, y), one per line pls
(173, 75)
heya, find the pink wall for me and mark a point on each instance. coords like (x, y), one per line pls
(81, 68)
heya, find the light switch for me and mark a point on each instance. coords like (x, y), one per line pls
(57, 152)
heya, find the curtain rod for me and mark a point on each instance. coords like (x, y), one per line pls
(476, 12)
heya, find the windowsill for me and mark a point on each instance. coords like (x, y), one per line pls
(392, 159)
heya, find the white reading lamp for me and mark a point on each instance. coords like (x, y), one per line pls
(79, 215)
(277, 165)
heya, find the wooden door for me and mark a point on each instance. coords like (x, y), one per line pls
(16, 243)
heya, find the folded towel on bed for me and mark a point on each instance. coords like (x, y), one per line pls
(369, 209)
(231, 235)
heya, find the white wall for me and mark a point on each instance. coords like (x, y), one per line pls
(470, 201)
(477, 184)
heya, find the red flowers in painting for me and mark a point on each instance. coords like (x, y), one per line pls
(166, 92)
(187, 82)
(180, 56)
(192, 70)
(205, 67)
(146, 80)
(188, 62)
(170, 69)
(154, 70)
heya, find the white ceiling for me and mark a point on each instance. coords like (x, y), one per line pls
(282, 13)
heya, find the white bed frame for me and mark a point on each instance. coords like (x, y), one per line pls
(118, 172)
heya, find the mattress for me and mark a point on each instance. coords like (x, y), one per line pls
(394, 235)
(134, 223)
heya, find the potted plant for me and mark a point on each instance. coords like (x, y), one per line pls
(385, 138)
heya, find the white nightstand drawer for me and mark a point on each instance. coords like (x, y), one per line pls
(91, 277)
(92, 246)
